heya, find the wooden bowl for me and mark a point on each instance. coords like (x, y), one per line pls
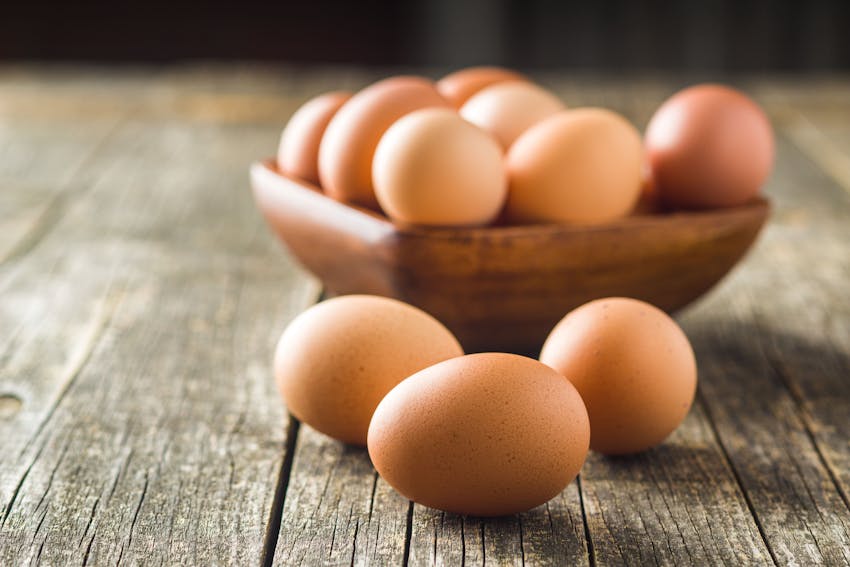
(503, 288)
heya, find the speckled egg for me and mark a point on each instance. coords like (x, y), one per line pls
(632, 365)
(335, 361)
(485, 434)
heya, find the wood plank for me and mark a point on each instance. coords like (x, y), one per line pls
(678, 504)
(337, 510)
(552, 534)
(822, 133)
(149, 429)
(773, 347)
(40, 161)
(125, 426)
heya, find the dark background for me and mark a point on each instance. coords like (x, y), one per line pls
(611, 36)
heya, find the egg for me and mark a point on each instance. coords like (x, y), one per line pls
(485, 435)
(434, 168)
(581, 166)
(349, 142)
(298, 152)
(459, 86)
(709, 146)
(506, 110)
(632, 365)
(335, 361)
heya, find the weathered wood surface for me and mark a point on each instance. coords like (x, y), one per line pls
(136, 328)
(140, 297)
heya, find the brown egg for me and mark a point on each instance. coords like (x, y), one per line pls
(485, 434)
(506, 110)
(298, 153)
(434, 168)
(459, 86)
(580, 166)
(336, 360)
(632, 365)
(709, 146)
(347, 148)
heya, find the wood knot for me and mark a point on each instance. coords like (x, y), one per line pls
(10, 405)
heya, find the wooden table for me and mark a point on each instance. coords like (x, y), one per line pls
(141, 296)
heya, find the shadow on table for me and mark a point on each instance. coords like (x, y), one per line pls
(748, 366)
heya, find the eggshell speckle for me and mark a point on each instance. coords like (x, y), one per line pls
(459, 86)
(580, 166)
(349, 142)
(434, 168)
(632, 365)
(506, 110)
(485, 434)
(336, 360)
(298, 153)
(709, 146)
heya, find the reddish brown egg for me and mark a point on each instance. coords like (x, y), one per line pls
(349, 142)
(336, 360)
(459, 86)
(298, 153)
(632, 365)
(709, 146)
(485, 434)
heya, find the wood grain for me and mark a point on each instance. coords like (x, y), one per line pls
(552, 534)
(140, 298)
(40, 173)
(148, 429)
(773, 371)
(337, 510)
(661, 507)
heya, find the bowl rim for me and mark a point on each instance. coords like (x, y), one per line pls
(266, 172)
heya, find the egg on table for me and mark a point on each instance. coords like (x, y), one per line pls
(336, 360)
(485, 434)
(632, 365)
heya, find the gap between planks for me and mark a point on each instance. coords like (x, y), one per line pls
(276, 515)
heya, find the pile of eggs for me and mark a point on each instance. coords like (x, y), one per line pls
(493, 433)
(486, 145)
(485, 434)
